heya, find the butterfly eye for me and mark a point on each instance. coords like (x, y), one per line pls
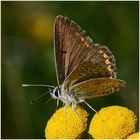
(56, 93)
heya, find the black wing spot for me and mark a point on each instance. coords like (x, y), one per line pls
(64, 52)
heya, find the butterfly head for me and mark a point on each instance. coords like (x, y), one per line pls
(55, 93)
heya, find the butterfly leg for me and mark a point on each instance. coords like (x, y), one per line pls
(57, 103)
(47, 101)
(65, 105)
(65, 110)
(73, 108)
(89, 106)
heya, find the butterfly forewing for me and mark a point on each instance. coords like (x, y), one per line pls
(67, 37)
(73, 47)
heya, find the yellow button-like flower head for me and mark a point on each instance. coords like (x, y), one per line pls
(134, 136)
(67, 124)
(113, 122)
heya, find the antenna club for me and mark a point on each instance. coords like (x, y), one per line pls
(24, 85)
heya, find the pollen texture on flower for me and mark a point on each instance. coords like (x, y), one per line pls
(66, 123)
(134, 136)
(113, 122)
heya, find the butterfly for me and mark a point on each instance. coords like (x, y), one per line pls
(84, 69)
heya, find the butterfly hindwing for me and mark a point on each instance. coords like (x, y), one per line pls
(96, 87)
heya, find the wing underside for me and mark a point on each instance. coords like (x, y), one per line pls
(96, 87)
(73, 47)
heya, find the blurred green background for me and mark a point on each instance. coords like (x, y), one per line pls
(28, 57)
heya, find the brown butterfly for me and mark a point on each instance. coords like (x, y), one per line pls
(84, 69)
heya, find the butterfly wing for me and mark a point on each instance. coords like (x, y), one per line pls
(85, 71)
(73, 47)
(96, 87)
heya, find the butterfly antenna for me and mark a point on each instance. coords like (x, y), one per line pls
(89, 106)
(35, 99)
(37, 85)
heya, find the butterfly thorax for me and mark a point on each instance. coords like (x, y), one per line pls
(61, 93)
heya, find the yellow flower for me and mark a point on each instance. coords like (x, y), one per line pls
(113, 122)
(42, 27)
(66, 124)
(134, 136)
